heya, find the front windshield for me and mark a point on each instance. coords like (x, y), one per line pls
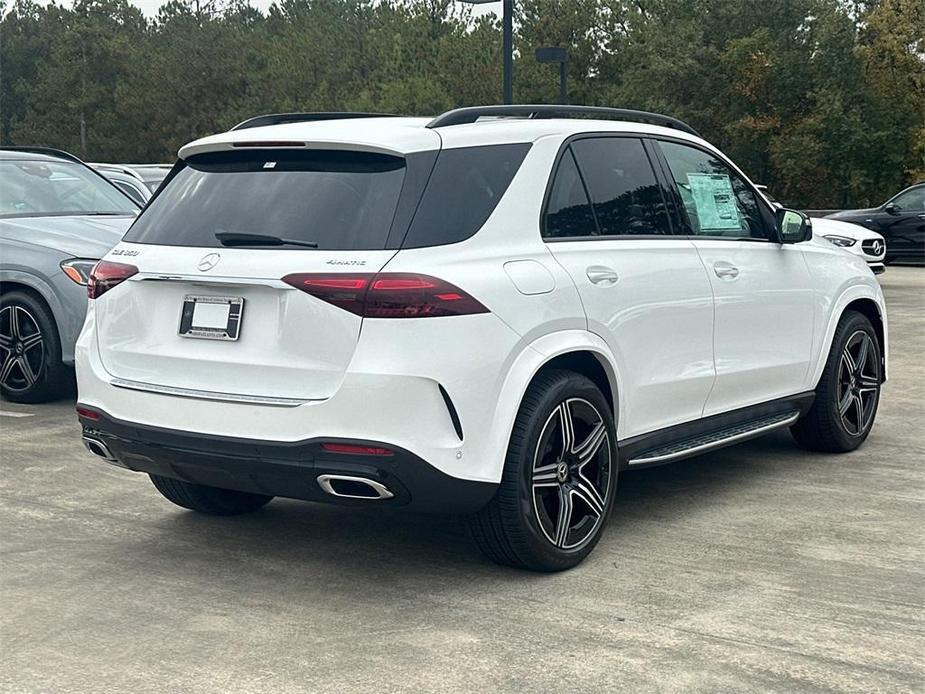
(30, 188)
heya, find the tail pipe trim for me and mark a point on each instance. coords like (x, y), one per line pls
(347, 487)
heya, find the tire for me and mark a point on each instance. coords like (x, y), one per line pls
(211, 500)
(31, 369)
(848, 392)
(522, 525)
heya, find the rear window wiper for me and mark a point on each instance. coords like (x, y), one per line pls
(230, 238)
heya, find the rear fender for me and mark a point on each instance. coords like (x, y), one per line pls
(528, 364)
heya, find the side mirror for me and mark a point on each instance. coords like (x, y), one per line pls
(891, 208)
(793, 226)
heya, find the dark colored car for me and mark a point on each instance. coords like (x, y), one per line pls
(900, 220)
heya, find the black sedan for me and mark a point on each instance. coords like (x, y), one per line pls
(900, 220)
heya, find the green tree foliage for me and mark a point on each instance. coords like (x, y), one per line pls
(823, 100)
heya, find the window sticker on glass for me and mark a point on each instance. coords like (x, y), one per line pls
(714, 200)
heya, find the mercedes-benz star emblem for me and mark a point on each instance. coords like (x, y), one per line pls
(208, 262)
(878, 247)
(562, 472)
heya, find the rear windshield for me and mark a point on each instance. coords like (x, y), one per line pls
(338, 200)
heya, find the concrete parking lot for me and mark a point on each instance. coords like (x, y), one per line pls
(757, 568)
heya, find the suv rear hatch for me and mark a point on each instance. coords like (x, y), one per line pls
(203, 316)
(279, 317)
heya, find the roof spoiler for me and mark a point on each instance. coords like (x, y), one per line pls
(280, 118)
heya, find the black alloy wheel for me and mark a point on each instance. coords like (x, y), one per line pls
(23, 349)
(848, 392)
(571, 474)
(30, 351)
(559, 479)
(858, 383)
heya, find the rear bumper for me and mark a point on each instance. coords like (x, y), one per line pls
(287, 469)
(419, 390)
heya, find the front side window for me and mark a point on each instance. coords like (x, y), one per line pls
(717, 202)
(912, 200)
(626, 196)
(36, 188)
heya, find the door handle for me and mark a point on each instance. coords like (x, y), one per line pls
(600, 274)
(725, 271)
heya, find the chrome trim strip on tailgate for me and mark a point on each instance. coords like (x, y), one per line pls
(207, 394)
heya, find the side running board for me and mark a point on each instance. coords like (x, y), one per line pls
(715, 439)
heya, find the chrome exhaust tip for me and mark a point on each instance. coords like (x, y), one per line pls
(100, 450)
(347, 487)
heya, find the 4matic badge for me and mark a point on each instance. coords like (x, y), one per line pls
(346, 262)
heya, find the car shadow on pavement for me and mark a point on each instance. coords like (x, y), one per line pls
(291, 539)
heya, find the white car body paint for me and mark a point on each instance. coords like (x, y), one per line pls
(676, 341)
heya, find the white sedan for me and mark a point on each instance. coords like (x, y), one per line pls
(854, 238)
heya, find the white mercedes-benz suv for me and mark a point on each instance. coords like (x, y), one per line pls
(491, 313)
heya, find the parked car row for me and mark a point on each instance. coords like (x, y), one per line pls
(491, 313)
(138, 181)
(900, 221)
(894, 231)
(853, 238)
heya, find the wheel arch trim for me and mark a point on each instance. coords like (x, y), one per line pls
(852, 295)
(29, 282)
(528, 364)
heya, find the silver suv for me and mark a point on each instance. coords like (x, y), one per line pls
(57, 218)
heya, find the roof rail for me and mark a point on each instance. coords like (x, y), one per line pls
(279, 118)
(50, 151)
(471, 114)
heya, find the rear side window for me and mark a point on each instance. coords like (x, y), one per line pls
(626, 195)
(339, 200)
(568, 212)
(464, 189)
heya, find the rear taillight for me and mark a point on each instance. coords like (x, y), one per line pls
(106, 275)
(388, 294)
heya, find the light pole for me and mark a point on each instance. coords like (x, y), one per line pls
(555, 54)
(507, 44)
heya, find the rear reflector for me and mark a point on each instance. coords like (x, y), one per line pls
(87, 413)
(106, 275)
(355, 449)
(388, 295)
